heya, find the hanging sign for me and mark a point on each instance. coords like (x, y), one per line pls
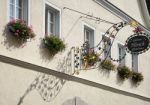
(138, 43)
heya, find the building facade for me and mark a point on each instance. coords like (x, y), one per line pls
(30, 75)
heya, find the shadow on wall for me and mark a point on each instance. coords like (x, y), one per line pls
(75, 101)
(119, 80)
(49, 86)
(104, 72)
(11, 42)
(44, 52)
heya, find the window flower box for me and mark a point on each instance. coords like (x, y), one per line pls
(20, 30)
(124, 72)
(137, 77)
(107, 64)
(89, 58)
(53, 44)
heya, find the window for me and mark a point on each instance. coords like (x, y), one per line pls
(89, 36)
(107, 46)
(52, 20)
(121, 50)
(135, 62)
(18, 9)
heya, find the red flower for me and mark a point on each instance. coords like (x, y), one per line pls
(137, 30)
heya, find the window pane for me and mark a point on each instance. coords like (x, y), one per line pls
(24, 10)
(18, 13)
(19, 3)
(52, 28)
(51, 22)
(19, 9)
(87, 36)
(12, 9)
(51, 17)
(12, 1)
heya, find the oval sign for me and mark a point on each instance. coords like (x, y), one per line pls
(137, 44)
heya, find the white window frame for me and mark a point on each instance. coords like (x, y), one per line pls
(8, 11)
(84, 24)
(45, 3)
(123, 61)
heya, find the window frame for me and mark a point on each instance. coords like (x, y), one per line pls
(28, 11)
(89, 28)
(47, 3)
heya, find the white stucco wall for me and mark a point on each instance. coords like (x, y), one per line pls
(72, 33)
(16, 80)
(133, 9)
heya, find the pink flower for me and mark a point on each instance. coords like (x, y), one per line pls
(31, 27)
(17, 30)
(16, 34)
(12, 21)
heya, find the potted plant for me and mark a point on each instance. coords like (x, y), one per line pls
(89, 59)
(107, 64)
(53, 44)
(137, 77)
(124, 72)
(19, 29)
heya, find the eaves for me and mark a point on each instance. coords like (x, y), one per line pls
(119, 13)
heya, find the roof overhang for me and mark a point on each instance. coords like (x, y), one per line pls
(119, 13)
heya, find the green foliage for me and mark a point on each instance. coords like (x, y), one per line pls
(137, 77)
(124, 72)
(20, 30)
(53, 44)
(108, 65)
(91, 58)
